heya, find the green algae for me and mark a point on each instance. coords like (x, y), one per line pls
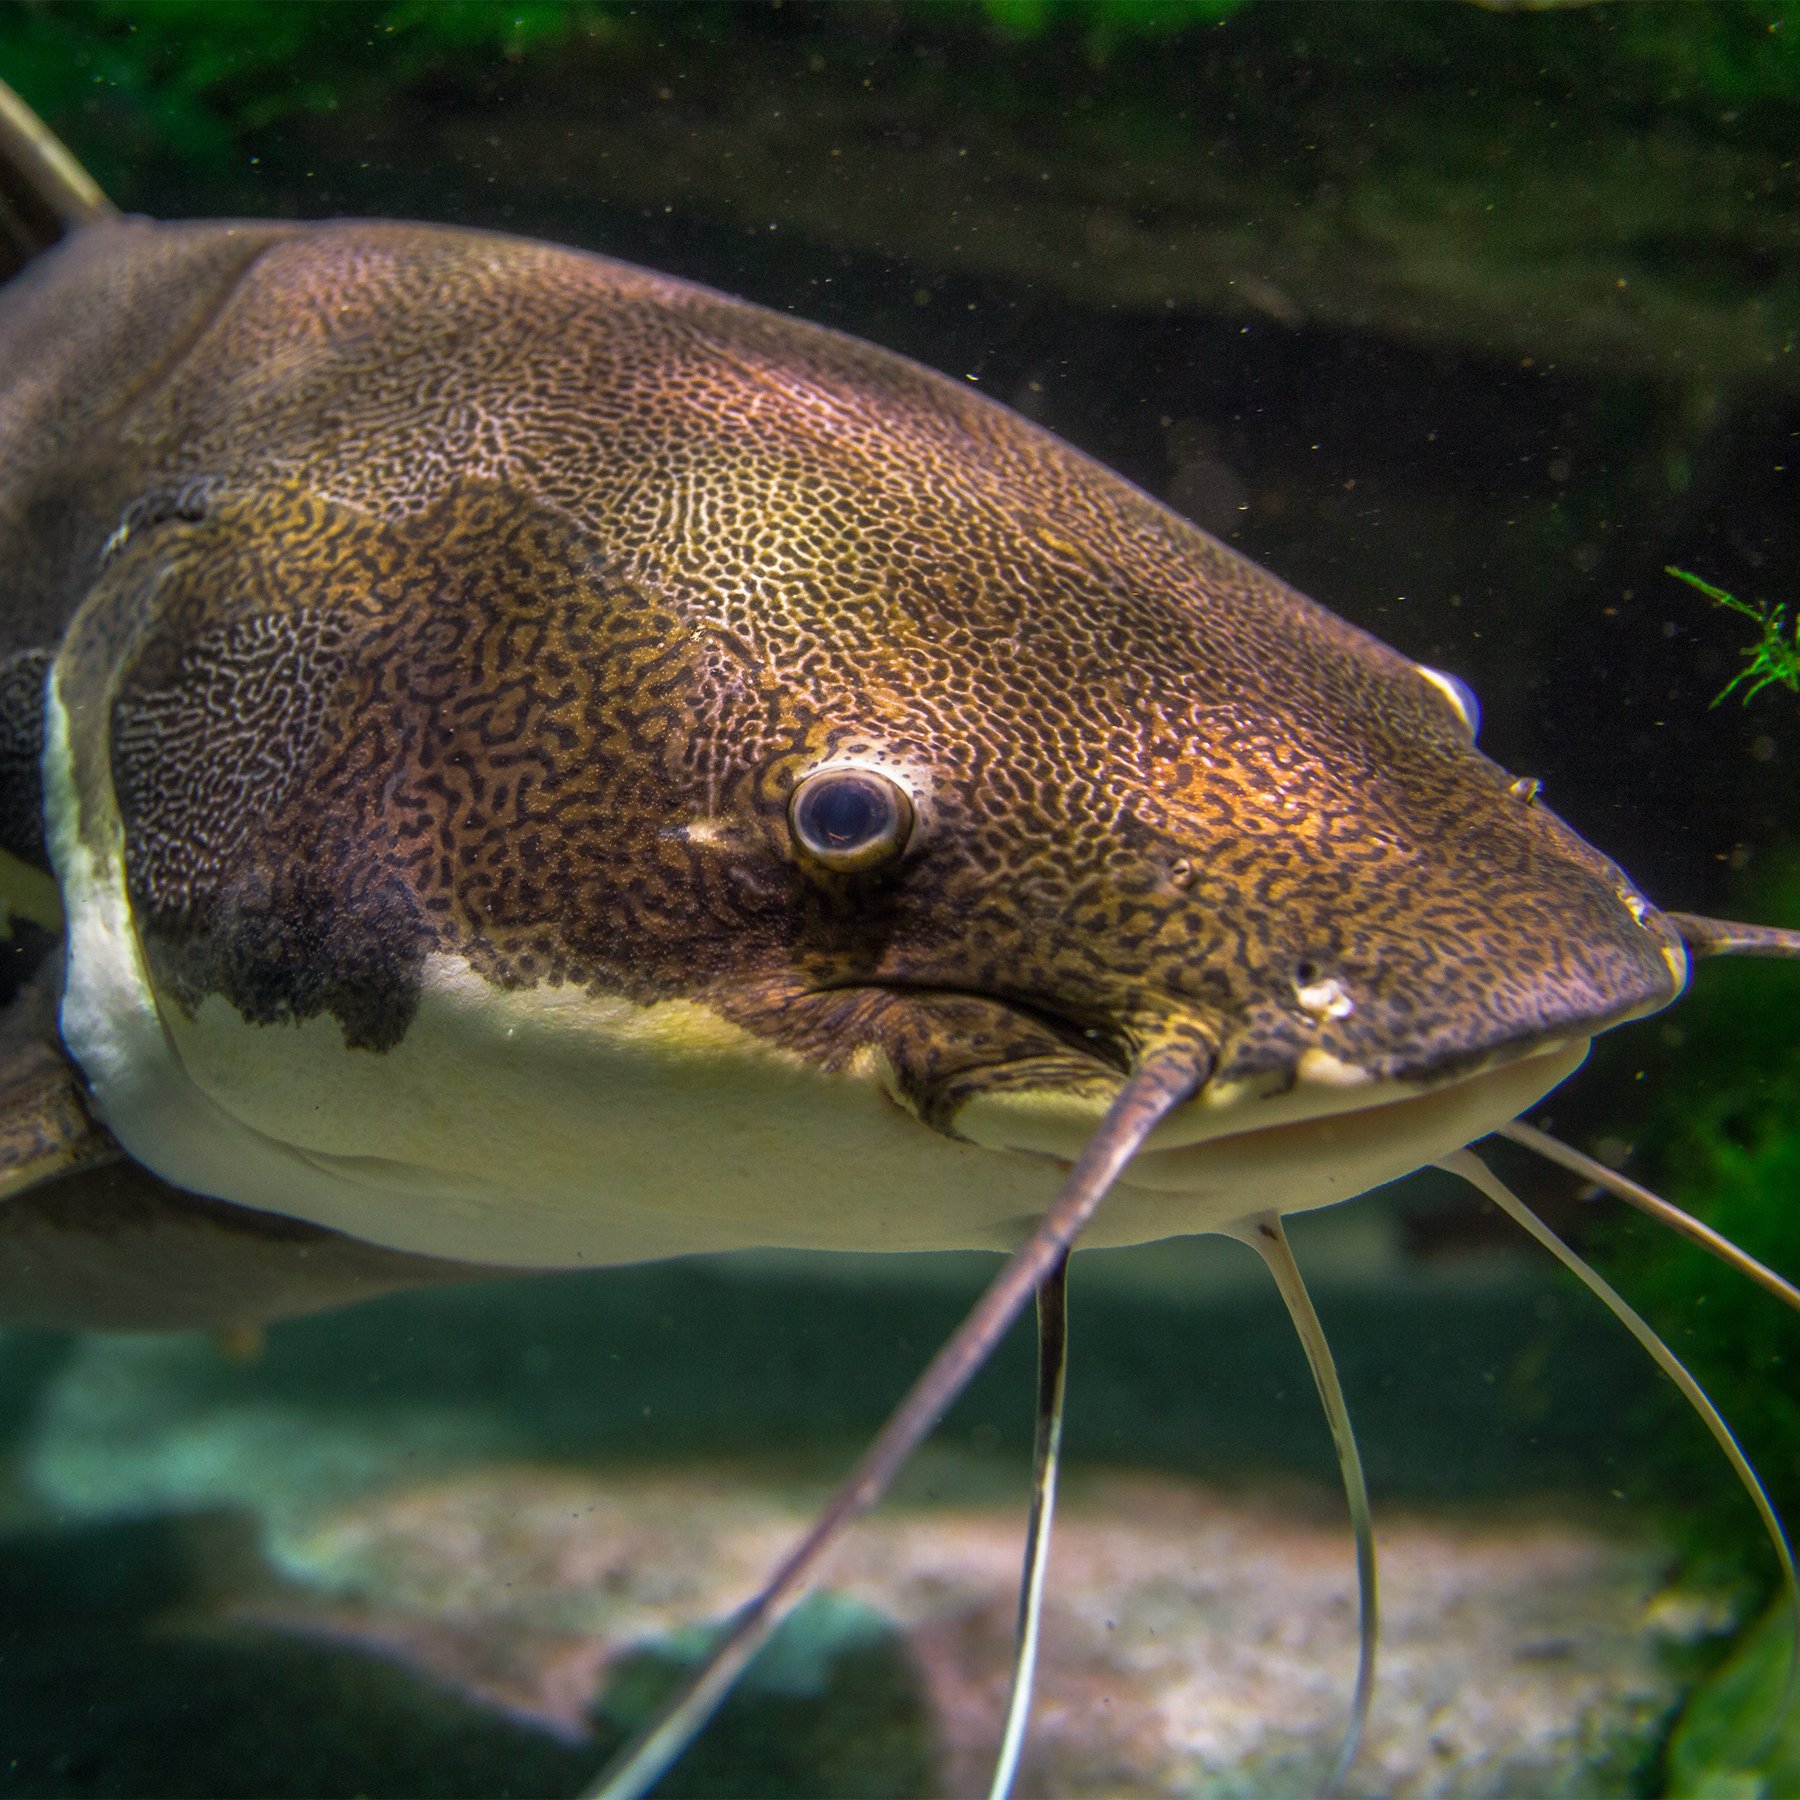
(1718, 1134)
(1107, 21)
(189, 78)
(1600, 186)
(1723, 1748)
(833, 1705)
(1772, 658)
(1723, 1142)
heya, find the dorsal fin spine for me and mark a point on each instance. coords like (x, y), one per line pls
(44, 192)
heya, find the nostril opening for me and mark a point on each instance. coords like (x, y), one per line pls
(1321, 993)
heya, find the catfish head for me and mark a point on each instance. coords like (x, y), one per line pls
(554, 765)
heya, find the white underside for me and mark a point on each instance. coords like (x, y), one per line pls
(550, 1128)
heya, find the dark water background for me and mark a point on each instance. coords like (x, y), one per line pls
(1465, 321)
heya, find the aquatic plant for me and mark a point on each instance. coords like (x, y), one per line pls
(206, 69)
(1773, 658)
(1727, 1150)
(1722, 1749)
(1108, 18)
(186, 77)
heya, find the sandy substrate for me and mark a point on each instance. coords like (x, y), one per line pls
(454, 1544)
(1195, 1642)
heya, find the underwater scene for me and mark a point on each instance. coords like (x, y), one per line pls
(580, 861)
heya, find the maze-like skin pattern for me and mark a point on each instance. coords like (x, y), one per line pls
(488, 598)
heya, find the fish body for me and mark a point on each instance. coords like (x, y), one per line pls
(442, 624)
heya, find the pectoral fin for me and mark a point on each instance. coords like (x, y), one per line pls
(46, 1129)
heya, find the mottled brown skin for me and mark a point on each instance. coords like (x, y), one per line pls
(463, 577)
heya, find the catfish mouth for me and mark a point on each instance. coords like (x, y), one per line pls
(1233, 1152)
(1054, 1052)
(1309, 1132)
(954, 1048)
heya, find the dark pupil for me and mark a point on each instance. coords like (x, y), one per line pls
(845, 813)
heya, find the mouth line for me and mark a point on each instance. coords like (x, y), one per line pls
(1262, 1105)
(1316, 1085)
(1092, 1041)
(1106, 1048)
(1234, 1148)
(1301, 1158)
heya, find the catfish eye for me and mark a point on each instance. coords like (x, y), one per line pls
(847, 819)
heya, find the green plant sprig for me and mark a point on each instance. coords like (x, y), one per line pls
(1775, 656)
